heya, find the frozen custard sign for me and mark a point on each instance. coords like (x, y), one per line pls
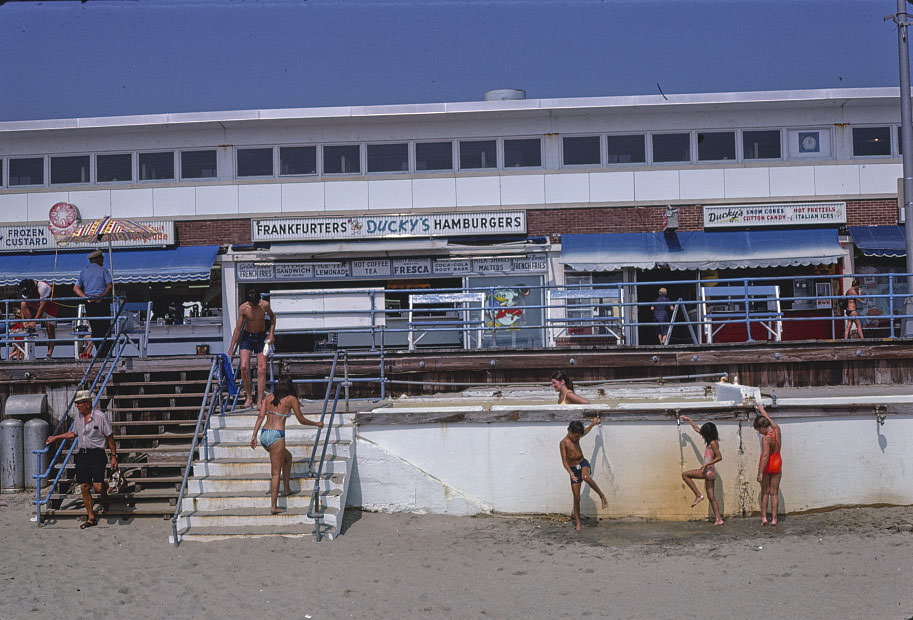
(388, 226)
(785, 214)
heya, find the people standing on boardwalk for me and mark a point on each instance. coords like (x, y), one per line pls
(707, 472)
(577, 466)
(92, 431)
(661, 309)
(563, 384)
(770, 465)
(277, 408)
(853, 301)
(95, 285)
(38, 303)
(251, 333)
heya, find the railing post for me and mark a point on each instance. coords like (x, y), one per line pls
(891, 303)
(747, 310)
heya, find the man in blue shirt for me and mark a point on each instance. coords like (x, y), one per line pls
(95, 285)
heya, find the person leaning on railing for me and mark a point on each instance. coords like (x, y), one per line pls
(40, 304)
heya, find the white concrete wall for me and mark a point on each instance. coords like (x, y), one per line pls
(844, 181)
(516, 468)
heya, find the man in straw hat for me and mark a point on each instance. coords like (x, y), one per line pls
(95, 285)
(92, 430)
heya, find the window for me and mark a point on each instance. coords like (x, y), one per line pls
(671, 147)
(626, 150)
(255, 162)
(761, 144)
(27, 171)
(198, 164)
(342, 159)
(478, 154)
(113, 168)
(581, 151)
(70, 169)
(156, 166)
(434, 156)
(523, 153)
(715, 145)
(297, 160)
(809, 143)
(871, 141)
(388, 158)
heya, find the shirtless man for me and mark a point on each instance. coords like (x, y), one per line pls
(576, 465)
(250, 332)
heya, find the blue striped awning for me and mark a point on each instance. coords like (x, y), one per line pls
(181, 264)
(699, 250)
(879, 240)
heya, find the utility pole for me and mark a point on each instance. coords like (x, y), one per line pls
(902, 19)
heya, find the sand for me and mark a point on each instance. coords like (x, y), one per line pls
(849, 563)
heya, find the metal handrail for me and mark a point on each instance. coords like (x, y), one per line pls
(314, 509)
(117, 349)
(211, 396)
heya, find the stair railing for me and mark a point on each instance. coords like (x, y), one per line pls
(220, 388)
(315, 510)
(105, 369)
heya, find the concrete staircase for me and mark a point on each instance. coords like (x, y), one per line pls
(228, 493)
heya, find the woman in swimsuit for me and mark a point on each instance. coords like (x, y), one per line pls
(771, 464)
(852, 311)
(562, 384)
(707, 472)
(277, 408)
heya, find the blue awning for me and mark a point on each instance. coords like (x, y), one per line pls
(879, 240)
(701, 250)
(127, 266)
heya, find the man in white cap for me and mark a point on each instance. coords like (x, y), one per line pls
(95, 285)
(92, 431)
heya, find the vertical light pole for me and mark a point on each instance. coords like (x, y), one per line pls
(901, 18)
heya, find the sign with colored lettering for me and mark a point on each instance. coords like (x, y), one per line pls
(779, 214)
(389, 226)
(38, 237)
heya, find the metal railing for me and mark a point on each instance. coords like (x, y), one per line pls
(315, 510)
(97, 386)
(613, 314)
(220, 388)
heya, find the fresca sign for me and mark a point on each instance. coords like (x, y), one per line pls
(786, 214)
(388, 226)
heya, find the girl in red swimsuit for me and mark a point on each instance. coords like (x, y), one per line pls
(770, 465)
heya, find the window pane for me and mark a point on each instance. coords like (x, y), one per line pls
(198, 164)
(671, 147)
(111, 168)
(27, 171)
(714, 146)
(478, 154)
(434, 156)
(871, 141)
(626, 150)
(342, 159)
(73, 169)
(581, 151)
(522, 153)
(297, 160)
(388, 157)
(156, 166)
(255, 162)
(761, 144)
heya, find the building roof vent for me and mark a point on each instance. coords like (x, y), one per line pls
(504, 94)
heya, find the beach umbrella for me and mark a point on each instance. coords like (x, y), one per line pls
(109, 229)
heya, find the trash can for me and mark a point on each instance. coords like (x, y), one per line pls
(11, 472)
(36, 435)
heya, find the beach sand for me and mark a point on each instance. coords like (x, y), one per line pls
(849, 563)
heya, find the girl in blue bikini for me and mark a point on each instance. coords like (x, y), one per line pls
(277, 408)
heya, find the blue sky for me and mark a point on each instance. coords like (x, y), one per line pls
(102, 58)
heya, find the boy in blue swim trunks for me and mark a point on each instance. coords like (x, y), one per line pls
(251, 334)
(577, 466)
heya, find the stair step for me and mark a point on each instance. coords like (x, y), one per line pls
(246, 517)
(162, 422)
(148, 383)
(207, 502)
(176, 408)
(165, 435)
(213, 534)
(147, 396)
(259, 468)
